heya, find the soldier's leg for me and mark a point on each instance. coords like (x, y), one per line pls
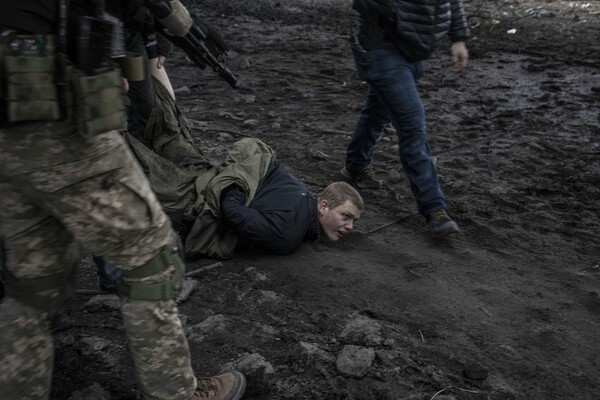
(40, 259)
(101, 196)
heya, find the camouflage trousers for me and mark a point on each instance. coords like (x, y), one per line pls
(57, 190)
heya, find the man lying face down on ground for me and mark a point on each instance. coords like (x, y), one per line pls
(270, 212)
(250, 200)
(284, 213)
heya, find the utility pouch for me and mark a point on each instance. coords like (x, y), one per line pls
(93, 44)
(91, 33)
(30, 76)
(132, 66)
(98, 102)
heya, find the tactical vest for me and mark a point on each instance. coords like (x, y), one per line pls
(69, 75)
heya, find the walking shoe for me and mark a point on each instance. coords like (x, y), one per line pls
(440, 224)
(228, 386)
(364, 179)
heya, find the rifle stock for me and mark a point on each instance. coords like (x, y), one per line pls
(194, 45)
(194, 42)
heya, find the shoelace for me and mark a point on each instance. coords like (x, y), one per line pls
(205, 388)
(367, 173)
(439, 215)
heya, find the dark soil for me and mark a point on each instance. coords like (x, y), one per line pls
(509, 309)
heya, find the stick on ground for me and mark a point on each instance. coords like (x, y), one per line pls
(199, 271)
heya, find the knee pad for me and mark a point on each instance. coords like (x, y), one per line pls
(46, 293)
(169, 256)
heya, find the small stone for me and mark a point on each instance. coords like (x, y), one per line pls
(394, 176)
(315, 352)
(475, 371)
(355, 361)
(182, 89)
(250, 123)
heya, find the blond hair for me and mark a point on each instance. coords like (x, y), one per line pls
(338, 193)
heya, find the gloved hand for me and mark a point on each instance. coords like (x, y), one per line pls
(172, 15)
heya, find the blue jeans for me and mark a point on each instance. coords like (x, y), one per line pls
(108, 275)
(393, 96)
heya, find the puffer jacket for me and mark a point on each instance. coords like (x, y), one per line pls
(416, 27)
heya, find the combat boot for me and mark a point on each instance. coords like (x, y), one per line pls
(228, 386)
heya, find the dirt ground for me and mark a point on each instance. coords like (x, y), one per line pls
(509, 309)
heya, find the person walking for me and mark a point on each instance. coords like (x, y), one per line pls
(389, 43)
(67, 177)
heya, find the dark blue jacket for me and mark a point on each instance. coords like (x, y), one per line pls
(414, 26)
(282, 214)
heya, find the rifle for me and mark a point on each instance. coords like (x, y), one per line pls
(96, 33)
(202, 44)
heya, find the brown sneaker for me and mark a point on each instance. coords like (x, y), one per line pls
(228, 386)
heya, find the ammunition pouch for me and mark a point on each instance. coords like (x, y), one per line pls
(29, 73)
(98, 102)
(170, 256)
(91, 33)
(132, 66)
(39, 84)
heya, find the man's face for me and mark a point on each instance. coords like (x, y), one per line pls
(336, 222)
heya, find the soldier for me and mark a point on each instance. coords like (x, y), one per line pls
(67, 176)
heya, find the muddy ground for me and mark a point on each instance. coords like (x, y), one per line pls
(509, 309)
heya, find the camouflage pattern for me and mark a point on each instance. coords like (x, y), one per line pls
(30, 90)
(169, 131)
(99, 102)
(59, 189)
(30, 78)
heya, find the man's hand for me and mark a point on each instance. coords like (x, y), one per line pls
(160, 61)
(460, 56)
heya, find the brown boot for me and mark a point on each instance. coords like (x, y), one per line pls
(228, 386)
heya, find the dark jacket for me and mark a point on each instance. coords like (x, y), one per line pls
(35, 16)
(415, 26)
(282, 214)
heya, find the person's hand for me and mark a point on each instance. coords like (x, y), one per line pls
(125, 84)
(160, 62)
(460, 56)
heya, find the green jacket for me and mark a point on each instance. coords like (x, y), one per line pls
(187, 185)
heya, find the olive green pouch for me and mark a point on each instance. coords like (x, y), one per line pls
(30, 74)
(132, 66)
(98, 102)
